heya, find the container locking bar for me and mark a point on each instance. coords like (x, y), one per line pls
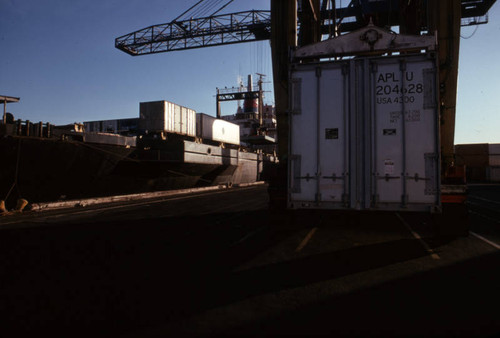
(387, 177)
(334, 177)
(307, 177)
(417, 178)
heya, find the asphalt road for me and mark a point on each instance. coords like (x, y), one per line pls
(219, 263)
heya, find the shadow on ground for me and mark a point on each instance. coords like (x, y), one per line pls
(458, 300)
(110, 278)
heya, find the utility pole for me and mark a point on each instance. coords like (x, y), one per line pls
(217, 107)
(261, 99)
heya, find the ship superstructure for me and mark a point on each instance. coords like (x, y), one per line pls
(257, 121)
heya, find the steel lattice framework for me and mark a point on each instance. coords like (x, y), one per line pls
(233, 96)
(196, 33)
(255, 25)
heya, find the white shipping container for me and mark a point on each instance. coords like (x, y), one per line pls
(105, 138)
(494, 154)
(210, 128)
(494, 160)
(364, 134)
(92, 126)
(111, 126)
(167, 116)
(104, 126)
(494, 148)
(493, 174)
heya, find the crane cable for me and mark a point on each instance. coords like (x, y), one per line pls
(186, 11)
(201, 9)
(209, 6)
(194, 10)
(470, 36)
(223, 6)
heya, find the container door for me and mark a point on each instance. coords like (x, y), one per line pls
(303, 129)
(318, 139)
(168, 113)
(333, 135)
(364, 134)
(405, 133)
(177, 118)
(191, 122)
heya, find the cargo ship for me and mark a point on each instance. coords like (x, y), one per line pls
(167, 147)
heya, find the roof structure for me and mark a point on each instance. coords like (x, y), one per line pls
(8, 99)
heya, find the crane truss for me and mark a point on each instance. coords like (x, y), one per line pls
(474, 12)
(255, 25)
(196, 33)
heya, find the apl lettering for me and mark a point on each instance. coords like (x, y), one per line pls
(394, 77)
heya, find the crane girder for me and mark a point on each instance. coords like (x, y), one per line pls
(196, 33)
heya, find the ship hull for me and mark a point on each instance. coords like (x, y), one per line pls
(43, 170)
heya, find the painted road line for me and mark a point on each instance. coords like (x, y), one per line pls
(485, 240)
(247, 236)
(491, 219)
(483, 199)
(431, 252)
(306, 240)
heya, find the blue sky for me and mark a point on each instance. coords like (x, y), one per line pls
(58, 56)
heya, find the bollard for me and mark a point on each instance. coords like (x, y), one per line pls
(49, 130)
(28, 127)
(3, 210)
(19, 127)
(35, 129)
(21, 204)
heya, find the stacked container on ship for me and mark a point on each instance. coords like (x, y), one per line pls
(179, 148)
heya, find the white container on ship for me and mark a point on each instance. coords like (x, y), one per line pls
(167, 116)
(210, 128)
(494, 154)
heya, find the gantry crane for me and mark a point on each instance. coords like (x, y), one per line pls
(187, 32)
(295, 23)
(415, 17)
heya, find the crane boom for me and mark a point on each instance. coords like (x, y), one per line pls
(196, 33)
